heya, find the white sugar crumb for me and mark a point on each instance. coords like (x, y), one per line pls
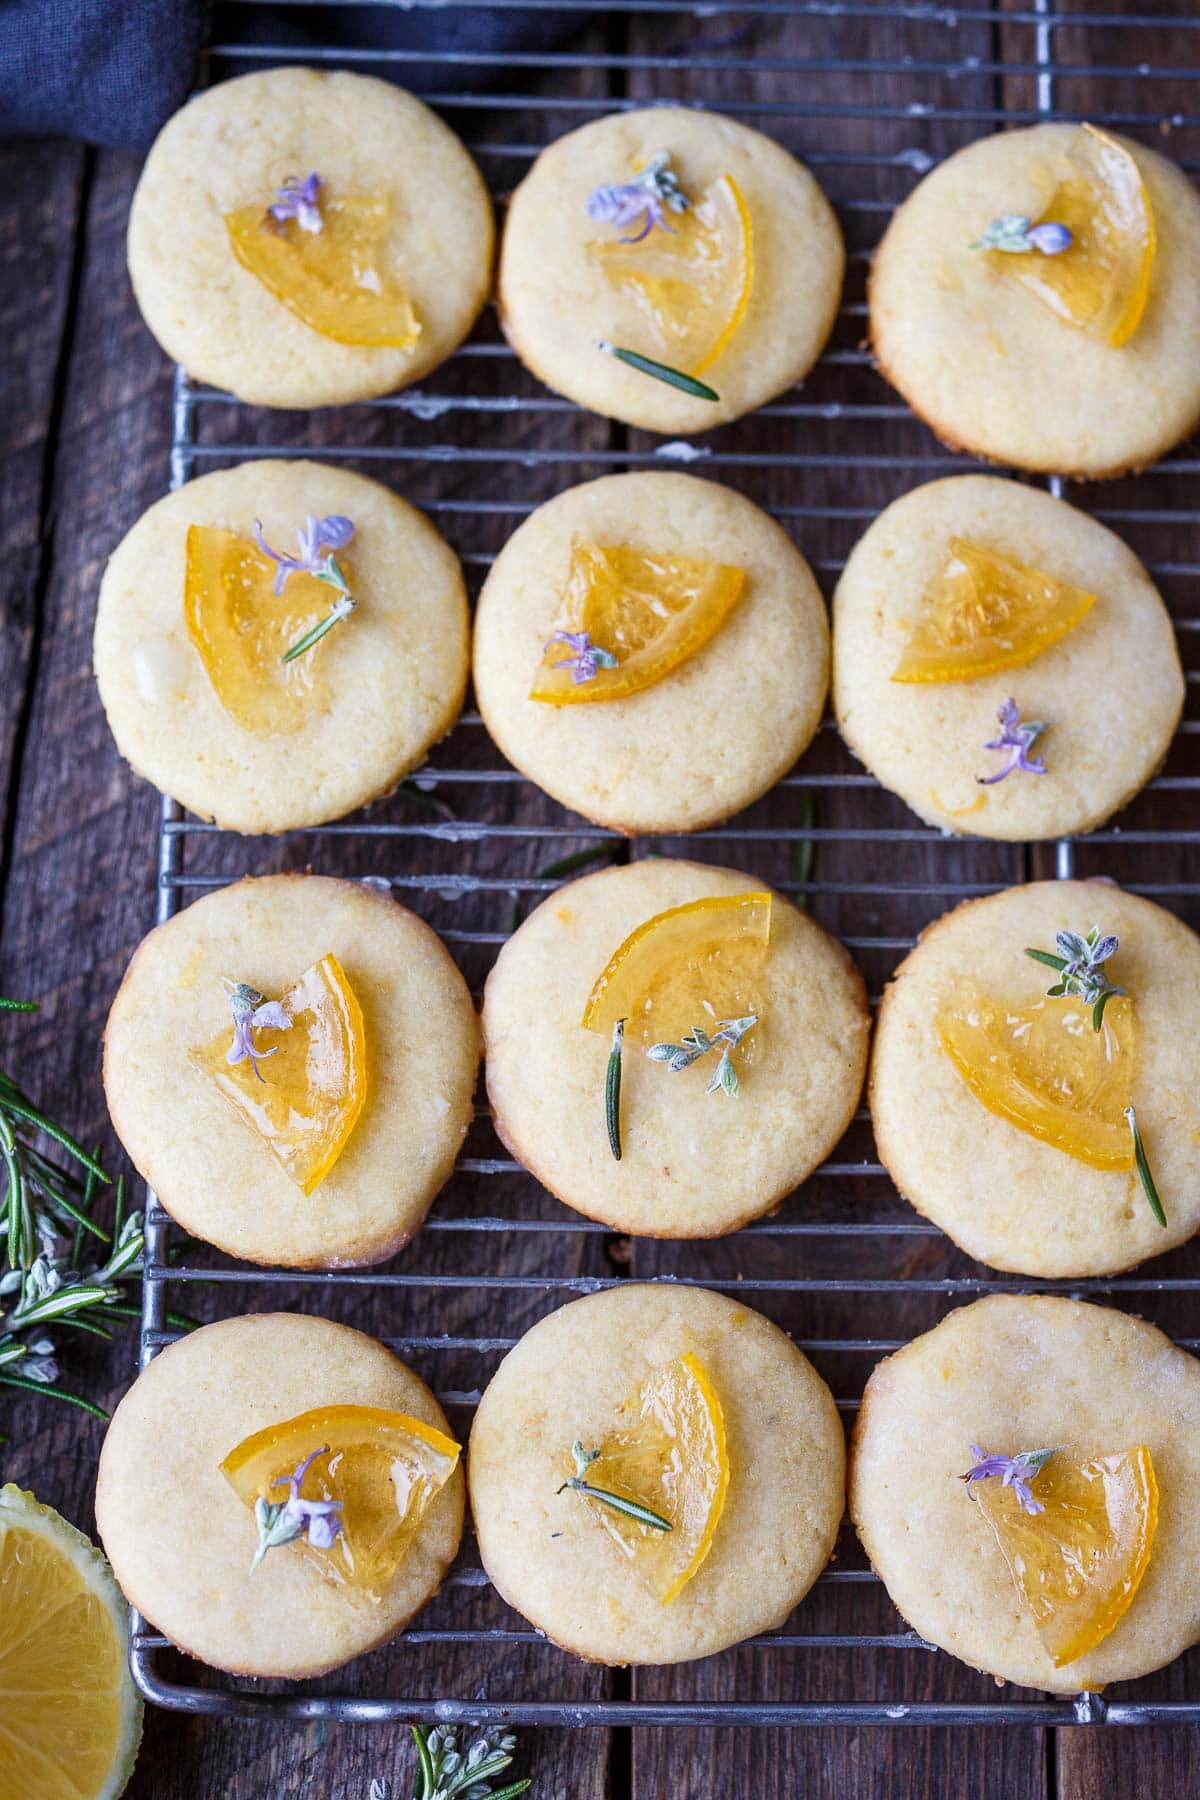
(679, 450)
(441, 1105)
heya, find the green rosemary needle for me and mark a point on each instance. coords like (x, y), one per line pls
(1143, 1168)
(629, 1509)
(646, 365)
(341, 609)
(612, 1091)
(453, 1760)
(1081, 970)
(42, 1196)
(805, 858)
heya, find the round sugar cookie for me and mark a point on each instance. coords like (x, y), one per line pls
(235, 146)
(1005, 1197)
(547, 1554)
(1109, 693)
(694, 1163)
(179, 1538)
(1013, 1373)
(557, 301)
(988, 366)
(710, 736)
(209, 1167)
(375, 692)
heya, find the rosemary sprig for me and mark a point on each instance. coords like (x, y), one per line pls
(42, 1196)
(612, 1091)
(449, 1765)
(629, 1509)
(697, 1043)
(344, 604)
(1080, 965)
(1142, 1164)
(646, 365)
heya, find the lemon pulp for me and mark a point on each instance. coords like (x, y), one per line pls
(1046, 1070)
(984, 614)
(1077, 1564)
(385, 1468)
(1101, 282)
(70, 1716)
(667, 1453)
(651, 611)
(689, 287)
(313, 1084)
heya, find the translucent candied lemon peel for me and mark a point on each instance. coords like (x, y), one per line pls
(334, 275)
(985, 613)
(1099, 280)
(690, 282)
(305, 1099)
(1076, 1536)
(628, 618)
(657, 1482)
(349, 1484)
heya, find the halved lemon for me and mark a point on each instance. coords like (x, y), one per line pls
(667, 1453)
(70, 1716)
(1102, 281)
(334, 279)
(241, 627)
(313, 1081)
(384, 1467)
(651, 611)
(1077, 1564)
(984, 614)
(1046, 1070)
(689, 287)
(692, 965)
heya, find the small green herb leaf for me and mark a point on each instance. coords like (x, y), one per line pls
(646, 365)
(1142, 1164)
(612, 1091)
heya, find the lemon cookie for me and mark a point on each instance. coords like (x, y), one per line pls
(1002, 662)
(229, 1413)
(747, 1505)
(652, 650)
(1080, 356)
(673, 949)
(211, 590)
(681, 236)
(999, 1108)
(307, 239)
(290, 1063)
(1069, 1570)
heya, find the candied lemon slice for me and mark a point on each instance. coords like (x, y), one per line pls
(241, 627)
(984, 614)
(667, 1453)
(691, 285)
(650, 611)
(1046, 1070)
(313, 1080)
(335, 279)
(691, 965)
(1101, 282)
(383, 1467)
(1077, 1564)
(70, 1716)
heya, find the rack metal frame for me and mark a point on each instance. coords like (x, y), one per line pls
(195, 405)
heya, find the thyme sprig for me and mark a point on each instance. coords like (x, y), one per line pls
(1142, 1165)
(1080, 964)
(697, 1043)
(629, 1509)
(451, 1768)
(44, 1195)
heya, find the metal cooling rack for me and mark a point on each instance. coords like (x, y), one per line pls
(825, 459)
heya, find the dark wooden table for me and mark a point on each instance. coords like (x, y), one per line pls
(84, 438)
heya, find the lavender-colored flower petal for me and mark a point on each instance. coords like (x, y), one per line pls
(323, 1528)
(1051, 238)
(299, 200)
(336, 531)
(1018, 739)
(270, 1016)
(1015, 1472)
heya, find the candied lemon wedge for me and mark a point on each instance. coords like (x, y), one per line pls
(667, 1453)
(1077, 1564)
(306, 1100)
(383, 1467)
(1101, 282)
(692, 965)
(1046, 1070)
(334, 279)
(649, 611)
(984, 614)
(691, 284)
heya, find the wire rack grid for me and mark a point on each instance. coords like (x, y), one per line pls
(871, 96)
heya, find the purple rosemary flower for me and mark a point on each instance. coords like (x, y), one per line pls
(1015, 1472)
(282, 1521)
(252, 1013)
(585, 657)
(1014, 233)
(316, 540)
(645, 198)
(1018, 740)
(299, 200)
